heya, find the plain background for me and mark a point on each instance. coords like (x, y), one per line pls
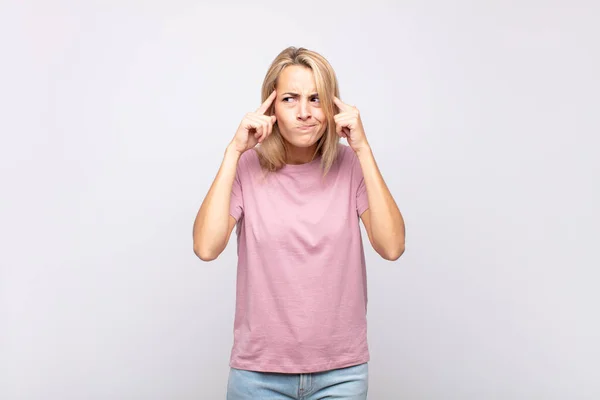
(483, 118)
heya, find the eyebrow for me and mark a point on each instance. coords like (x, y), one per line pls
(296, 94)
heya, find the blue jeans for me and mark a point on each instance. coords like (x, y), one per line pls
(350, 383)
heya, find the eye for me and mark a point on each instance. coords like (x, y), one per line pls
(316, 99)
(285, 99)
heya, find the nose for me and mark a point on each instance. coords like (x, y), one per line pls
(304, 110)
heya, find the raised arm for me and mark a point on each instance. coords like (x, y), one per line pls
(213, 224)
(383, 221)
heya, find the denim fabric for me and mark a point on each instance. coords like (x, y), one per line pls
(350, 383)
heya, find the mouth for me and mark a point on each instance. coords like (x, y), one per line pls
(306, 127)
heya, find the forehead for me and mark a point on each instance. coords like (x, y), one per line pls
(296, 78)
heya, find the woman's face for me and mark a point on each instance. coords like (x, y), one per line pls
(299, 115)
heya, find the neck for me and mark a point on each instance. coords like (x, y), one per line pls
(300, 155)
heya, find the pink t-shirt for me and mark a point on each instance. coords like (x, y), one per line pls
(301, 298)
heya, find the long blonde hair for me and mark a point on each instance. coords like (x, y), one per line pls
(272, 151)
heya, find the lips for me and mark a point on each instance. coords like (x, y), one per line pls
(305, 126)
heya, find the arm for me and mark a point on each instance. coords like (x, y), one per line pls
(383, 221)
(213, 224)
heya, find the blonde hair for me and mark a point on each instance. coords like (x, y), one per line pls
(272, 151)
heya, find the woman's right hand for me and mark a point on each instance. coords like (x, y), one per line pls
(255, 127)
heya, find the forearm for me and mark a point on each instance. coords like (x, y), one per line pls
(211, 227)
(387, 224)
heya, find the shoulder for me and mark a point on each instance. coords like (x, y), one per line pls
(350, 164)
(248, 167)
(248, 160)
(347, 157)
(249, 155)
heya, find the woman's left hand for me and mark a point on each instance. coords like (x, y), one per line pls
(349, 125)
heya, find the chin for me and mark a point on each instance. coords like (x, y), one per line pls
(299, 142)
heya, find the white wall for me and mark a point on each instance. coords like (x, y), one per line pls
(483, 117)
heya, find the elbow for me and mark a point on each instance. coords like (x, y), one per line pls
(393, 254)
(205, 254)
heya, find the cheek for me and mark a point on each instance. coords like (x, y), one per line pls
(283, 115)
(319, 115)
(324, 123)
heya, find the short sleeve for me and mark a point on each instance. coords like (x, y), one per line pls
(236, 205)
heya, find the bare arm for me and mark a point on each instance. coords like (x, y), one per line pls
(213, 224)
(383, 221)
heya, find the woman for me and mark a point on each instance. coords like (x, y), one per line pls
(296, 195)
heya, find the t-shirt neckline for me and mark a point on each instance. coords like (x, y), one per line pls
(306, 165)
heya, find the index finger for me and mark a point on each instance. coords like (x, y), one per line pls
(341, 105)
(265, 106)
